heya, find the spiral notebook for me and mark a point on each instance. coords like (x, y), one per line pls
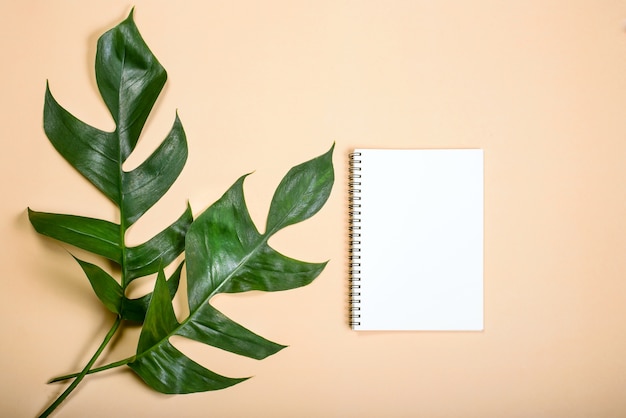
(416, 239)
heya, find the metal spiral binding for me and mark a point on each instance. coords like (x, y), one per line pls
(354, 236)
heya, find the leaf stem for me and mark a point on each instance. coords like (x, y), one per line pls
(85, 370)
(94, 370)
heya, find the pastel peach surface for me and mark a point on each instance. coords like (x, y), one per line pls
(260, 86)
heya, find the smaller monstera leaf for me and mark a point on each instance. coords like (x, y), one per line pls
(225, 253)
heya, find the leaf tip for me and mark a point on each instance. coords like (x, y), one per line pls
(32, 214)
(241, 179)
(48, 88)
(329, 153)
(189, 209)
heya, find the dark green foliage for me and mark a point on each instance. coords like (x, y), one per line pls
(226, 254)
(224, 251)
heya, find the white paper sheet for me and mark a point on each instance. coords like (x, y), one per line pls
(421, 243)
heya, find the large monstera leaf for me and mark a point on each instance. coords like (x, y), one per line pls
(225, 253)
(129, 79)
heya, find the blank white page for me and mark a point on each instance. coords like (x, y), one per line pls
(421, 240)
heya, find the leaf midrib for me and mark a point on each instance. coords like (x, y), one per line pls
(120, 182)
(99, 238)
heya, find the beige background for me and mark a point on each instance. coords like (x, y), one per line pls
(261, 86)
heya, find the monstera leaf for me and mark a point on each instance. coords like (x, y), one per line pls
(224, 251)
(226, 254)
(129, 79)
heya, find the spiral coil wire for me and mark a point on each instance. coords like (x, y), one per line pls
(354, 236)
